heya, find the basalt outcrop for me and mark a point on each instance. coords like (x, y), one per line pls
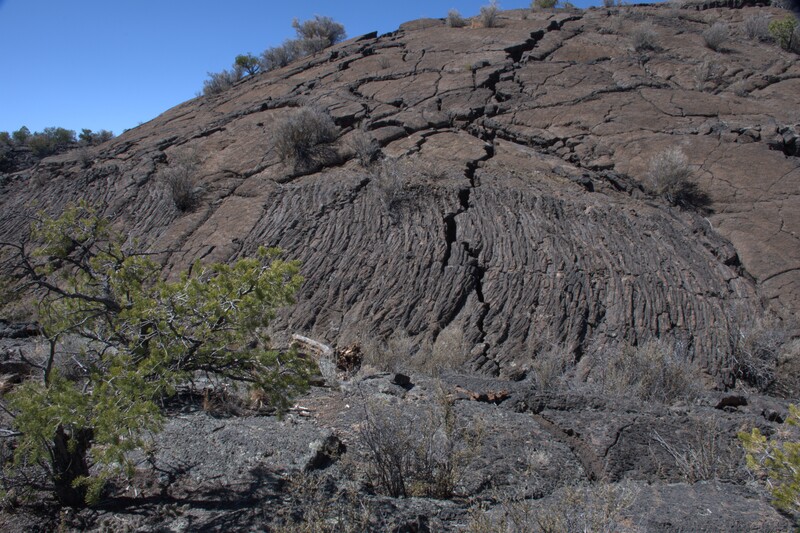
(509, 209)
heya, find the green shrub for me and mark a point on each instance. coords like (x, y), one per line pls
(778, 459)
(22, 135)
(544, 4)
(143, 336)
(91, 138)
(50, 140)
(304, 140)
(247, 63)
(783, 31)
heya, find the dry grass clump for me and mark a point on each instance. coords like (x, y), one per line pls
(656, 371)
(668, 173)
(716, 36)
(403, 354)
(644, 37)
(305, 139)
(707, 71)
(180, 179)
(755, 348)
(756, 27)
(599, 508)
(549, 369)
(366, 148)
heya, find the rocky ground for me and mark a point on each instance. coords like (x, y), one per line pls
(368, 450)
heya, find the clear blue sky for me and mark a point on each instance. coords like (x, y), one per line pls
(113, 64)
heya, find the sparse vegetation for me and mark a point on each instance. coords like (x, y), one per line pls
(313, 36)
(716, 36)
(597, 508)
(644, 37)
(544, 4)
(784, 31)
(455, 20)
(778, 460)
(488, 17)
(304, 140)
(141, 337)
(703, 452)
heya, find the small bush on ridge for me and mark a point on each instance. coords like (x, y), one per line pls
(218, 82)
(280, 56)
(455, 20)
(544, 4)
(318, 33)
(488, 14)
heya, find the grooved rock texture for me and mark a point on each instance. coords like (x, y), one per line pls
(509, 208)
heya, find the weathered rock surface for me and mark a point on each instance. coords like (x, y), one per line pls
(515, 214)
(212, 472)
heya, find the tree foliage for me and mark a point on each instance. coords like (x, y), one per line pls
(248, 63)
(783, 31)
(778, 459)
(141, 337)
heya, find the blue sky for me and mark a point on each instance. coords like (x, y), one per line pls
(113, 64)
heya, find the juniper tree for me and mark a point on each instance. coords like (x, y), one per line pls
(142, 336)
